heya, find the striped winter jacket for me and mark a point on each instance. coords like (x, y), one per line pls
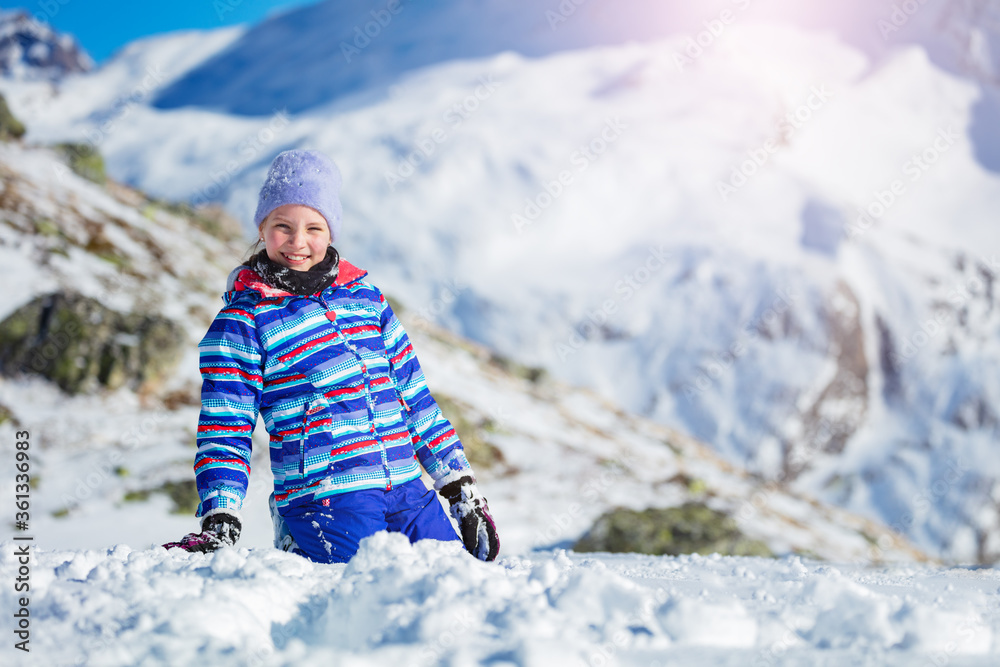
(337, 383)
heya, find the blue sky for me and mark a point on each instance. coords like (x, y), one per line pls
(102, 26)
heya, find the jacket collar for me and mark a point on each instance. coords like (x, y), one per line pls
(243, 278)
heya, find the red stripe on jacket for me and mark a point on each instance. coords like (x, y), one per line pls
(441, 438)
(282, 380)
(351, 448)
(283, 496)
(238, 462)
(322, 422)
(224, 370)
(202, 428)
(406, 350)
(361, 328)
(306, 346)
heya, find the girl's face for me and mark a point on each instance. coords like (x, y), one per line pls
(295, 236)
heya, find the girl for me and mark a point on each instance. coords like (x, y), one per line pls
(309, 344)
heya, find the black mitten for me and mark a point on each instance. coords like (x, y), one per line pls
(479, 532)
(217, 530)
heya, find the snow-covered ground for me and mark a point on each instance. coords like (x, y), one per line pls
(432, 604)
(564, 196)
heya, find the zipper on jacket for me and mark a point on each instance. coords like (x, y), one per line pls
(381, 445)
(310, 409)
(369, 401)
(302, 445)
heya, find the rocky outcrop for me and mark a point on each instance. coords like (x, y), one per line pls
(690, 528)
(85, 161)
(32, 49)
(10, 127)
(83, 346)
(472, 431)
(841, 405)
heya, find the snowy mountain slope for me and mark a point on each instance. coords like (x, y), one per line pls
(328, 50)
(688, 240)
(97, 463)
(31, 49)
(97, 113)
(430, 604)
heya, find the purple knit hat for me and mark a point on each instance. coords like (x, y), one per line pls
(302, 177)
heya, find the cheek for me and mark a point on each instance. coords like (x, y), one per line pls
(273, 238)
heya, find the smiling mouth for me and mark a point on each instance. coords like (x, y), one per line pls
(295, 258)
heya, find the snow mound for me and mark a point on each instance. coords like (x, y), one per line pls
(428, 603)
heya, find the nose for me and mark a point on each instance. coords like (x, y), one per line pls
(299, 238)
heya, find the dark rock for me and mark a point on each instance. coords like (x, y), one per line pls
(690, 528)
(81, 345)
(10, 127)
(840, 409)
(889, 361)
(533, 374)
(85, 161)
(481, 454)
(183, 493)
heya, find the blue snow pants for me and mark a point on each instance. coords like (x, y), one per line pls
(329, 530)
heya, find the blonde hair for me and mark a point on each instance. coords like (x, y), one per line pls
(255, 248)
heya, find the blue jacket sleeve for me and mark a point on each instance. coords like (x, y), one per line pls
(437, 446)
(231, 361)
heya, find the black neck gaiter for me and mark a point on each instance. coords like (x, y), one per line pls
(302, 283)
